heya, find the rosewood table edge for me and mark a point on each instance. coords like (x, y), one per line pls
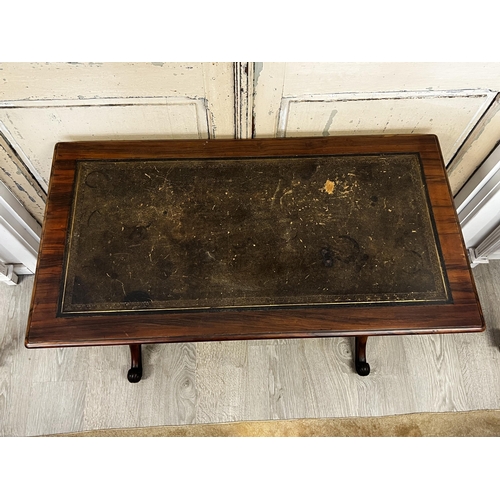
(397, 143)
(86, 342)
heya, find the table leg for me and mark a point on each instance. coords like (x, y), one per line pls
(135, 372)
(362, 367)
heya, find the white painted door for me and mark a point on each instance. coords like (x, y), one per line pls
(458, 102)
(45, 103)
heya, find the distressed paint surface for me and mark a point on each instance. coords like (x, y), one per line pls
(135, 119)
(45, 103)
(268, 93)
(14, 175)
(284, 80)
(476, 148)
(65, 84)
(218, 85)
(28, 81)
(315, 78)
(280, 82)
(450, 118)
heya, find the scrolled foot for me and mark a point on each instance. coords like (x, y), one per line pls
(135, 372)
(363, 368)
(134, 375)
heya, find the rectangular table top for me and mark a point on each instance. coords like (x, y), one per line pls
(165, 241)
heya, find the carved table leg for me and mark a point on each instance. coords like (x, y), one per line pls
(135, 372)
(362, 367)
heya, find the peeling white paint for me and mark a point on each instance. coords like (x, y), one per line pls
(451, 115)
(329, 123)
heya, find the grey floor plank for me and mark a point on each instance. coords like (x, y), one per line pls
(15, 362)
(167, 392)
(221, 380)
(55, 407)
(46, 391)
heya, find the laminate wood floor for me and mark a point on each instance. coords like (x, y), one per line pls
(48, 391)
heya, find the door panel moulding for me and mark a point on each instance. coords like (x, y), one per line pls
(487, 95)
(19, 235)
(98, 101)
(18, 178)
(13, 138)
(29, 171)
(478, 143)
(400, 94)
(478, 209)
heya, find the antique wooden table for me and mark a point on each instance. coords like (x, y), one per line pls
(207, 240)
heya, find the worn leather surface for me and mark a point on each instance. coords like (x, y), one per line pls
(266, 232)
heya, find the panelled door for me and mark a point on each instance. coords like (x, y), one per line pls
(458, 102)
(45, 103)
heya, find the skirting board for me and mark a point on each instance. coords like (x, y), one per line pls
(19, 236)
(478, 208)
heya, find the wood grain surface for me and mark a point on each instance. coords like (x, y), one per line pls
(47, 329)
